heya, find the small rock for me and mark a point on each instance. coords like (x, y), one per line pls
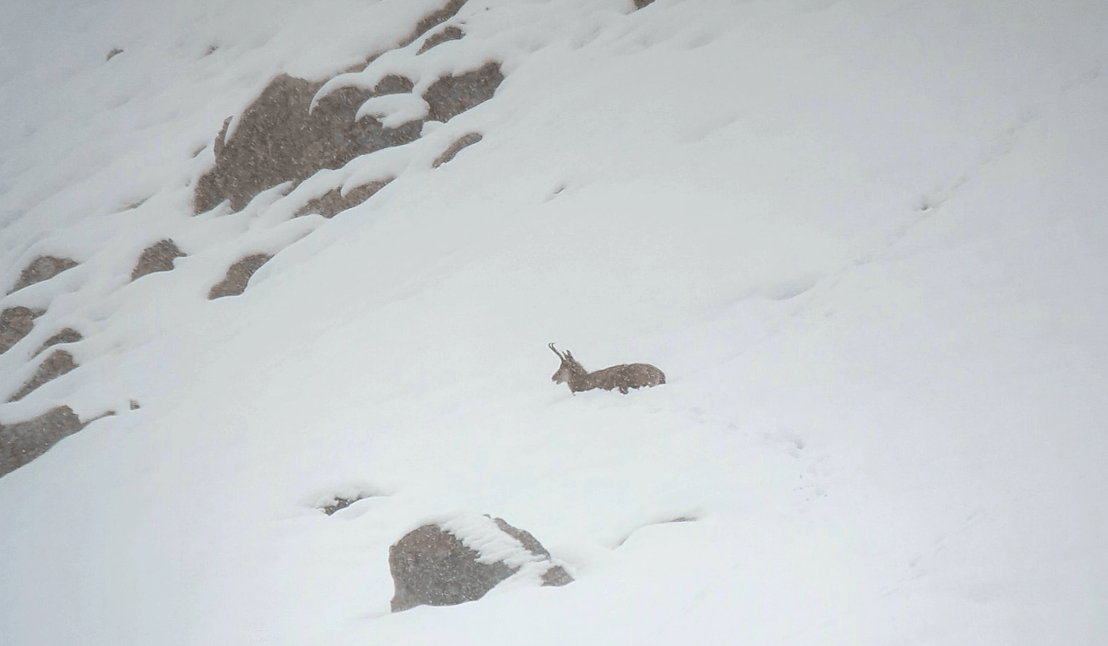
(465, 140)
(40, 269)
(448, 34)
(237, 276)
(55, 365)
(157, 257)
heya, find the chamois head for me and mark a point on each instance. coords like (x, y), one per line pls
(568, 369)
(624, 376)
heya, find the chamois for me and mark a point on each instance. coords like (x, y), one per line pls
(624, 376)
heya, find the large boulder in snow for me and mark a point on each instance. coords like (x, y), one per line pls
(24, 441)
(459, 560)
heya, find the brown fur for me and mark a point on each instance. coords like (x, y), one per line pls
(624, 376)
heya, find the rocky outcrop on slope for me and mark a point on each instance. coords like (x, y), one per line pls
(238, 274)
(157, 257)
(40, 269)
(66, 335)
(465, 140)
(462, 559)
(15, 323)
(24, 441)
(447, 34)
(55, 365)
(281, 137)
(334, 202)
(452, 95)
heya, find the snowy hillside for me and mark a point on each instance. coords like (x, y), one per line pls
(865, 240)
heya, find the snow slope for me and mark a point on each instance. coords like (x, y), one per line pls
(865, 241)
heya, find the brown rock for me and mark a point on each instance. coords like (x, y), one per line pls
(334, 202)
(450, 96)
(465, 140)
(441, 564)
(24, 441)
(56, 364)
(157, 257)
(67, 335)
(40, 269)
(237, 276)
(15, 323)
(447, 34)
(279, 140)
(434, 19)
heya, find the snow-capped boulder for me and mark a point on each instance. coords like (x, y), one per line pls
(460, 560)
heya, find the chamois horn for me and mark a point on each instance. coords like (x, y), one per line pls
(555, 350)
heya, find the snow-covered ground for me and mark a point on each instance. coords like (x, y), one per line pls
(865, 239)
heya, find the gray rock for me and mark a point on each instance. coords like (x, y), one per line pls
(463, 559)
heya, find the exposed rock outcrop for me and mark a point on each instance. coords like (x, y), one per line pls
(24, 441)
(56, 364)
(462, 559)
(447, 34)
(452, 95)
(334, 202)
(157, 257)
(434, 19)
(238, 274)
(67, 335)
(15, 323)
(281, 138)
(40, 269)
(465, 140)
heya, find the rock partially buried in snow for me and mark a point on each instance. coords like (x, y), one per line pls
(15, 323)
(24, 441)
(238, 274)
(40, 269)
(157, 257)
(282, 137)
(464, 141)
(462, 559)
(53, 366)
(334, 202)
